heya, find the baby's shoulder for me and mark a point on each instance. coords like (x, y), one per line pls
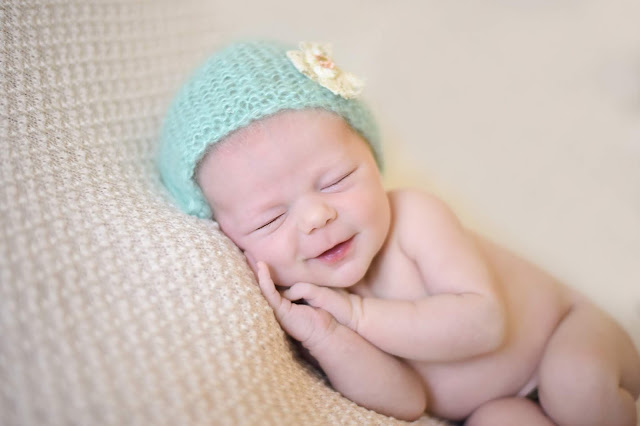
(421, 221)
(414, 204)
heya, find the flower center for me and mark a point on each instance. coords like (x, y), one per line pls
(325, 62)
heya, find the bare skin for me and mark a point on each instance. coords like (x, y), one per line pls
(406, 309)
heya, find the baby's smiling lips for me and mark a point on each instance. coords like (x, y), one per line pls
(336, 253)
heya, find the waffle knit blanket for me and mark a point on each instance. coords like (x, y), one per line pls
(115, 308)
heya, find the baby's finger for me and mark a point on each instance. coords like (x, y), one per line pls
(282, 308)
(316, 296)
(300, 291)
(267, 286)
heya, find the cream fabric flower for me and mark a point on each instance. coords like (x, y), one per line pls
(314, 61)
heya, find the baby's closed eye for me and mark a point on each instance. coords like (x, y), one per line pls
(342, 179)
(272, 221)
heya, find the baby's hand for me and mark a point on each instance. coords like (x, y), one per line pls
(307, 324)
(345, 307)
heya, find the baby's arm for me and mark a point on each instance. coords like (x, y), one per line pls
(463, 314)
(355, 367)
(438, 328)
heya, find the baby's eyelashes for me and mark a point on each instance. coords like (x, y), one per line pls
(340, 180)
(270, 222)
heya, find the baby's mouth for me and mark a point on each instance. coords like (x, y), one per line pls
(337, 252)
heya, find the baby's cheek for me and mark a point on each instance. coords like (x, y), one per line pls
(259, 254)
(282, 276)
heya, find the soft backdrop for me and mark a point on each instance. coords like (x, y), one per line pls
(117, 309)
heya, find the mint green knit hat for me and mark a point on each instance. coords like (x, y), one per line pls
(238, 85)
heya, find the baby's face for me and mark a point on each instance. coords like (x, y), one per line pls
(300, 191)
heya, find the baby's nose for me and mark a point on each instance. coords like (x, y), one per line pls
(315, 213)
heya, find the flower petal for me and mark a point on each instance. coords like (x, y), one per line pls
(314, 61)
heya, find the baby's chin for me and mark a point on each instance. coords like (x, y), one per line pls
(347, 280)
(335, 279)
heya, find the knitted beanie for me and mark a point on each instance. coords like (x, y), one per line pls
(238, 85)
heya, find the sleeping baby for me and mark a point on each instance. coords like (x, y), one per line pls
(404, 309)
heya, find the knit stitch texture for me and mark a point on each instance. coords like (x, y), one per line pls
(240, 84)
(115, 307)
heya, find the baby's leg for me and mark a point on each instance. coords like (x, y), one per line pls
(509, 411)
(590, 372)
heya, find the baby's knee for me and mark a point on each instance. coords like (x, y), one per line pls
(585, 388)
(630, 379)
(583, 373)
(509, 411)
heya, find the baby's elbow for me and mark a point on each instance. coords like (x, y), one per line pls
(490, 328)
(414, 408)
(496, 326)
(407, 404)
(418, 410)
(410, 416)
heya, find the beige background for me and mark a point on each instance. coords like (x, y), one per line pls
(524, 114)
(116, 308)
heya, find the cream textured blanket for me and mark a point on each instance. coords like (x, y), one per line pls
(114, 307)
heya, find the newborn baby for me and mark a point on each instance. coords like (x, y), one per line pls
(405, 310)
